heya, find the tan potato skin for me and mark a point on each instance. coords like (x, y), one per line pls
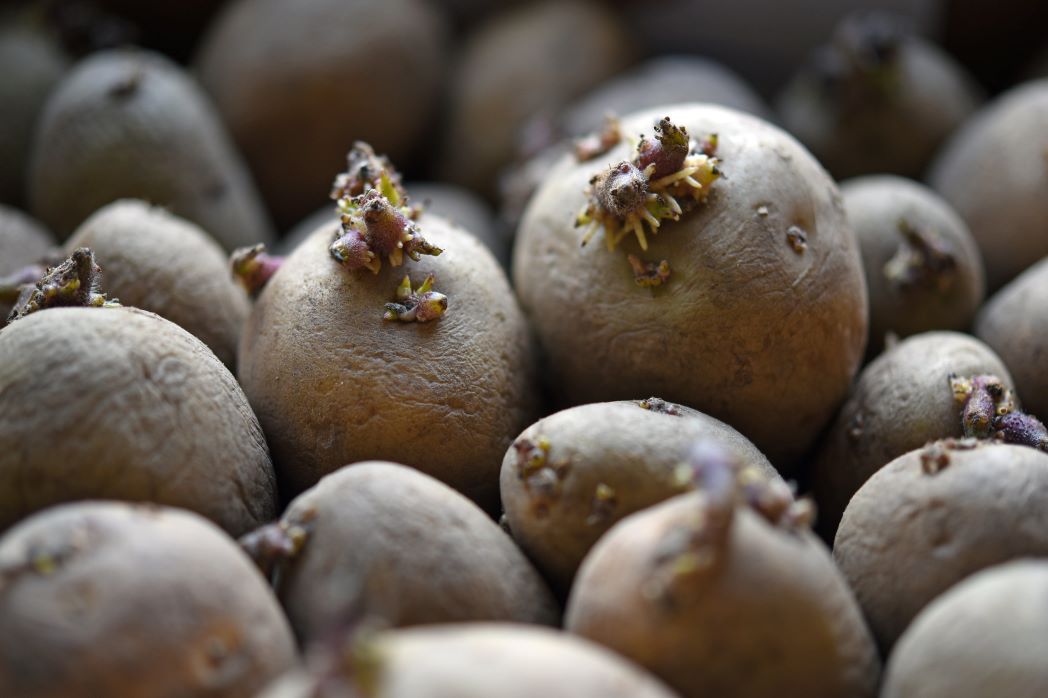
(130, 123)
(901, 401)
(620, 444)
(481, 660)
(334, 383)
(875, 207)
(362, 69)
(156, 261)
(1014, 324)
(23, 241)
(772, 616)
(143, 602)
(984, 637)
(1005, 206)
(118, 403)
(746, 330)
(908, 536)
(390, 542)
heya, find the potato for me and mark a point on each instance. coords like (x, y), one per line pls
(601, 462)
(419, 552)
(1006, 210)
(923, 270)
(334, 383)
(477, 660)
(934, 516)
(159, 262)
(110, 599)
(762, 319)
(118, 403)
(717, 598)
(900, 401)
(526, 61)
(876, 99)
(24, 243)
(984, 637)
(129, 123)
(376, 77)
(1015, 325)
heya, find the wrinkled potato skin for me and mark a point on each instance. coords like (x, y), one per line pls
(481, 660)
(1014, 324)
(772, 616)
(130, 123)
(875, 207)
(901, 401)
(631, 449)
(746, 330)
(1004, 206)
(984, 637)
(419, 552)
(334, 383)
(118, 403)
(152, 602)
(908, 536)
(153, 260)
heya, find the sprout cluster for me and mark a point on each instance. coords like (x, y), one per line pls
(72, 283)
(275, 545)
(253, 267)
(988, 411)
(923, 260)
(541, 475)
(416, 305)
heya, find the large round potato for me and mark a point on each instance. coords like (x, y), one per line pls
(762, 322)
(118, 403)
(131, 601)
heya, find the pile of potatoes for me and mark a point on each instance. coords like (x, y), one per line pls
(584, 349)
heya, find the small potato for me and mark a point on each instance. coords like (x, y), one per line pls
(477, 660)
(984, 637)
(571, 476)
(385, 541)
(901, 401)
(118, 403)
(923, 270)
(159, 262)
(130, 601)
(1014, 323)
(130, 123)
(932, 517)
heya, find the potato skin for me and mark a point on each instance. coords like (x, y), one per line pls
(900, 401)
(746, 330)
(418, 552)
(1015, 325)
(333, 383)
(130, 123)
(984, 637)
(907, 535)
(619, 444)
(1005, 208)
(118, 403)
(142, 601)
(348, 70)
(773, 616)
(876, 207)
(480, 660)
(23, 241)
(159, 262)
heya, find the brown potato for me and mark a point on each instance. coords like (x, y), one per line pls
(385, 541)
(130, 123)
(604, 461)
(1006, 209)
(117, 600)
(934, 516)
(984, 637)
(477, 660)
(762, 320)
(159, 262)
(901, 401)
(923, 270)
(347, 70)
(118, 403)
(334, 383)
